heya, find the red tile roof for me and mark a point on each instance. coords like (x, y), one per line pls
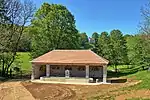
(70, 57)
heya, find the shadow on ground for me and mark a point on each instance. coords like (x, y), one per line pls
(123, 72)
(15, 78)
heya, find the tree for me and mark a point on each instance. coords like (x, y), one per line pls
(14, 14)
(126, 36)
(145, 36)
(139, 50)
(146, 50)
(95, 37)
(134, 49)
(104, 45)
(145, 24)
(84, 41)
(25, 43)
(53, 27)
(118, 48)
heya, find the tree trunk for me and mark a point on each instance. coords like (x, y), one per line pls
(10, 73)
(143, 67)
(7, 74)
(116, 70)
(3, 72)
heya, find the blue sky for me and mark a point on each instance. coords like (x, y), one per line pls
(103, 15)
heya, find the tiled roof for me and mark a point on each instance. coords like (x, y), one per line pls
(70, 57)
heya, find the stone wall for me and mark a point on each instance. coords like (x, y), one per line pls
(38, 70)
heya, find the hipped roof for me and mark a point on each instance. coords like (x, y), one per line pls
(70, 57)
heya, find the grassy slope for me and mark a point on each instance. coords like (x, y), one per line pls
(134, 72)
(24, 58)
(145, 84)
(145, 77)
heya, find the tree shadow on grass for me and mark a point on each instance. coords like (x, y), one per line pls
(16, 78)
(122, 72)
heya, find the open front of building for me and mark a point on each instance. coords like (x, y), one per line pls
(69, 64)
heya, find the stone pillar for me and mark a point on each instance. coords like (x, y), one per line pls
(87, 71)
(104, 74)
(33, 72)
(47, 70)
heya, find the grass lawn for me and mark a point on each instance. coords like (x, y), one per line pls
(145, 77)
(132, 72)
(24, 58)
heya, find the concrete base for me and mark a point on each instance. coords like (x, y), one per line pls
(56, 82)
(64, 79)
(72, 80)
(105, 83)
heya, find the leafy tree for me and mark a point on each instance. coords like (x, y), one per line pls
(14, 14)
(126, 36)
(53, 27)
(118, 48)
(146, 50)
(139, 50)
(84, 41)
(95, 37)
(104, 45)
(134, 49)
(25, 43)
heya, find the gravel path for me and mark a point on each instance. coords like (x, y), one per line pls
(14, 91)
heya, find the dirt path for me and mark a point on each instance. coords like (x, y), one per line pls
(14, 91)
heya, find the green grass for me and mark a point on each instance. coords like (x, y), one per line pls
(145, 77)
(134, 71)
(124, 70)
(24, 59)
